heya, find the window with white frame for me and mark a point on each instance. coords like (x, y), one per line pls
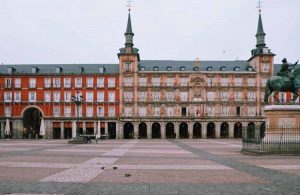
(56, 82)
(47, 83)
(78, 82)
(142, 111)
(170, 82)
(56, 111)
(67, 111)
(7, 83)
(156, 81)
(128, 67)
(184, 96)
(128, 111)
(111, 111)
(111, 82)
(47, 96)
(128, 81)
(238, 95)
(170, 111)
(210, 96)
(32, 96)
(32, 83)
(17, 96)
(89, 111)
(170, 96)
(224, 110)
(251, 96)
(183, 81)
(143, 81)
(111, 96)
(251, 82)
(67, 82)
(67, 96)
(128, 96)
(265, 67)
(100, 96)
(251, 111)
(210, 81)
(156, 111)
(90, 82)
(89, 96)
(224, 81)
(100, 111)
(238, 81)
(56, 96)
(7, 96)
(100, 82)
(7, 111)
(264, 82)
(17, 83)
(156, 96)
(224, 96)
(142, 96)
(210, 110)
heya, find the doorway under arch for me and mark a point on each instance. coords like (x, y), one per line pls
(211, 130)
(197, 128)
(32, 122)
(224, 130)
(251, 130)
(170, 130)
(156, 132)
(238, 130)
(143, 131)
(128, 130)
(183, 130)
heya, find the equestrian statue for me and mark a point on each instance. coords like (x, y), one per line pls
(286, 80)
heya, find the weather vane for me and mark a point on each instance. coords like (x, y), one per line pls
(259, 5)
(129, 5)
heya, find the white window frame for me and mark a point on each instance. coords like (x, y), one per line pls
(7, 111)
(90, 82)
(89, 96)
(56, 111)
(7, 96)
(56, 83)
(111, 96)
(56, 96)
(89, 111)
(7, 82)
(100, 96)
(100, 82)
(67, 96)
(18, 83)
(67, 111)
(17, 96)
(47, 83)
(100, 111)
(67, 82)
(111, 111)
(32, 96)
(111, 82)
(156, 81)
(78, 82)
(32, 83)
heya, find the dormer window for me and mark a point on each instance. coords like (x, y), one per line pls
(223, 68)
(250, 68)
(143, 68)
(101, 69)
(34, 70)
(209, 68)
(10, 70)
(169, 68)
(236, 68)
(182, 68)
(58, 70)
(155, 68)
(80, 69)
(196, 68)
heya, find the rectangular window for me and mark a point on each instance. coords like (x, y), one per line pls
(183, 111)
(78, 82)
(47, 96)
(156, 81)
(111, 111)
(210, 81)
(210, 111)
(7, 96)
(224, 82)
(111, 96)
(156, 96)
(17, 83)
(7, 83)
(251, 111)
(238, 111)
(89, 96)
(100, 82)
(156, 111)
(128, 81)
(170, 82)
(142, 96)
(265, 67)
(56, 111)
(224, 96)
(127, 67)
(251, 96)
(90, 82)
(184, 96)
(32, 96)
(128, 96)
(67, 111)
(170, 96)
(67, 82)
(183, 81)
(32, 83)
(238, 82)
(142, 111)
(170, 111)
(210, 96)
(100, 112)
(100, 96)
(238, 95)
(224, 110)
(7, 111)
(111, 82)
(17, 96)
(56, 82)
(128, 111)
(89, 111)
(47, 83)
(143, 81)
(56, 96)
(67, 96)
(264, 82)
(251, 82)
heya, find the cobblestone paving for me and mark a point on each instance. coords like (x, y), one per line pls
(143, 167)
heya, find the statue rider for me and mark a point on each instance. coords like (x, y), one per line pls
(287, 69)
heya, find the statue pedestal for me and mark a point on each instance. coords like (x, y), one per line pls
(282, 116)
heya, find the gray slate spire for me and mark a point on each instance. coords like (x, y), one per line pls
(129, 34)
(260, 35)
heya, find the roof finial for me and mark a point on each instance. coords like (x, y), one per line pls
(259, 5)
(129, 5)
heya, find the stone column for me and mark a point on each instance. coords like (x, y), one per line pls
(49, 129)
(204, 130)
(163, 130)
(62, 130)
(2, 129)
(176, 127)
(106, 128)
(95, 127)
(135, 130)
(231, 129)
(120, 131)
(84, 127)
(218, 129)
(190, 129)
(149, 130)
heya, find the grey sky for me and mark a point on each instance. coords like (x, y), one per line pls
(92, 31)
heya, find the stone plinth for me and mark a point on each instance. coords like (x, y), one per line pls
(278, 116)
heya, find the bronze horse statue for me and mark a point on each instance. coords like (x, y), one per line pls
(287, 80)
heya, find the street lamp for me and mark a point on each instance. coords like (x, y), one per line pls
(78, 100)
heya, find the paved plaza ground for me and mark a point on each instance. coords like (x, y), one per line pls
(200, 166)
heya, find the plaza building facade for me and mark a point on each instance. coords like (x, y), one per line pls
(139, 98)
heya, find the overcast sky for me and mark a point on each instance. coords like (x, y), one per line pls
(92, 31)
